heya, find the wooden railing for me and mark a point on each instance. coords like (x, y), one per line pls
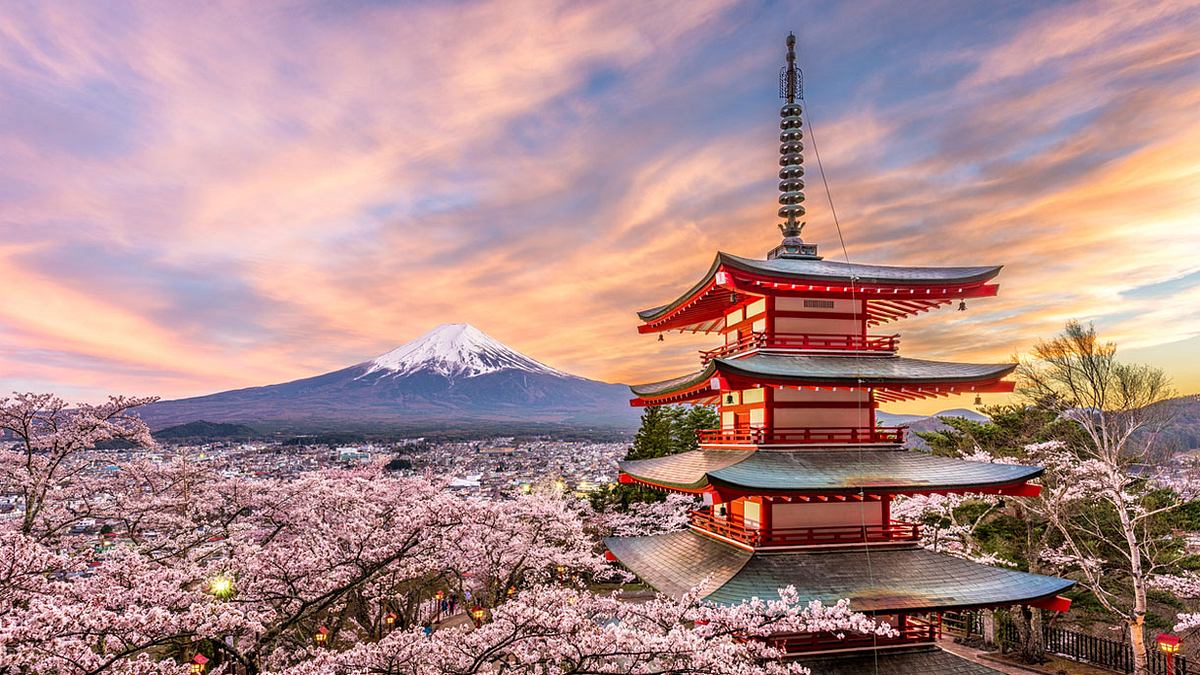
(913, 632)
(800, 435)
(801, 341)
(737, 530)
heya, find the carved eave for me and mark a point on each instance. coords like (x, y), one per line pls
(891, 292)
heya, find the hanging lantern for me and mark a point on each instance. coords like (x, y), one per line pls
(729, 399)
(660, 337)
(321, 636)
(198, 663)
(512, 590)
(733, 298)
(978, 400)
(962, 305)
(1167, 643)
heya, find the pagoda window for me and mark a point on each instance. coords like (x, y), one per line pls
(751, 514)
(757, 417)
(757, 307)
(751, 396)
(734, 317)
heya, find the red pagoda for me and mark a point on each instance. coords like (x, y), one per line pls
(798, 481)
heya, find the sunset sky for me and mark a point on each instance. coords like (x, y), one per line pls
(203, 196)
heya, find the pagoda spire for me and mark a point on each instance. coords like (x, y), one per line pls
(791, 161)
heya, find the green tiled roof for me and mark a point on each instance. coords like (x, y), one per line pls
(834, 272)
(685, 469)
(834, 370)
(823, 470)
(880, 579)
(912, 661)
(676, 562)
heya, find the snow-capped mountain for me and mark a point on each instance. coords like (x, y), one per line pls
(454, 376)
(456, 350)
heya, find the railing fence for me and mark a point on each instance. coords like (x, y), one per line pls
(1097, 651)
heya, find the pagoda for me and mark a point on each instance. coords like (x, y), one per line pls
(798, 481)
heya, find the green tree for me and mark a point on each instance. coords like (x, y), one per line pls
(654, 436)
(687, 421)
(665, 430)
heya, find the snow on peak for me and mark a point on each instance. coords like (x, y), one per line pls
(456, 350)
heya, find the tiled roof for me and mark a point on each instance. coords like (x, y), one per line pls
(835, 272)
(913, 661)
(879, 579)
(676, 562)
(682, 470)
(834, 369)
(823, 470)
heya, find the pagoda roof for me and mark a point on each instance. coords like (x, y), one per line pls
(881, 579)
(857, 371)
(824, 470)
(869, 280)
(923, 660)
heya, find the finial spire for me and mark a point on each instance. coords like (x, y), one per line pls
(791, 161)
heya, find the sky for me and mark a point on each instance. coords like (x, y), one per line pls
(199, 197)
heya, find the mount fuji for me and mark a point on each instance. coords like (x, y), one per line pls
(454, 376)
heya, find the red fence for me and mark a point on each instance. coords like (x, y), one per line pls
(914, 632)
(800, 435)
(736, 529)
(814, 341)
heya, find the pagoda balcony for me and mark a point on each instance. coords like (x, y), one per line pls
(913, 632)
(802, 436)
(735, 529)
(758, 341)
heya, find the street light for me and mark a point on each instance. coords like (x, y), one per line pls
(477, 613)
(321, 636)
(390, 619)
(197, 665)
(221, 586)
(1169, 644)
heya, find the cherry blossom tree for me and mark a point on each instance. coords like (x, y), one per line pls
(563, 630)
(1102, 510)
(249, 571)
(46, 469)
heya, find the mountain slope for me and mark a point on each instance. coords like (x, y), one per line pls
(925, 423)
(454, 374)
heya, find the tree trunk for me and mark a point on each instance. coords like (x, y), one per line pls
(1030, 648)
(1137, 640)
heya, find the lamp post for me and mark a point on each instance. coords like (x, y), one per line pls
(221, 586)
(390, 619)
(197, 664)
(477, 614)
(1169, 645)
(321, 636)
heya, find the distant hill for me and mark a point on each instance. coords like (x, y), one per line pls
(209, 431)
(1182, 431)
(452, 378)
(925, 423)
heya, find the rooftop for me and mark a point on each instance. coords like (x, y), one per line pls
(873, 579)
(824, 470)
(830, 371)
